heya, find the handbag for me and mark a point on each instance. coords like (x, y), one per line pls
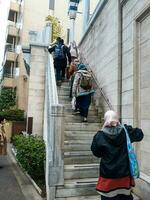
(133, 163)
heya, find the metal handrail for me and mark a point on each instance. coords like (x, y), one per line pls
(10, 47)
(8, 75)
(97, 83)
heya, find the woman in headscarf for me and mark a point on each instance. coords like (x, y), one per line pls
(109, 144)
(83, 96)
(73, 51)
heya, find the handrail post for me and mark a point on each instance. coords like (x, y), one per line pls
(56, 168)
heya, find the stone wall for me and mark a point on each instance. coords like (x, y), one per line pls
(110, 40)
(100, 48)
(135, 80)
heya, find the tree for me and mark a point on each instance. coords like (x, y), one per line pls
(56, 27)
(7, 98)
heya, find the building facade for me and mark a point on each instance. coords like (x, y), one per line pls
(23, 16)
(10, 62)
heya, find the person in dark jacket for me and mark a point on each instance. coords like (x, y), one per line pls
(109, 144)
(61, 54)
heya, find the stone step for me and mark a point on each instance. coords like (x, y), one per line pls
(78, 135)
(79, 157)
(77, 145)
(65, 92)
(67, 106)
(77, 187)
(81, 171)
(82, 126)
(92, 112)
(64, 101)
(64, 97)
(75, 134)
(63, 88)
(80, 142)
(65, 84)
(97, 197)
(78, 118)
(69, 111)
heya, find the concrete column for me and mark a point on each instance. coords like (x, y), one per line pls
(38, 61)
(86, 14)
(36, 87)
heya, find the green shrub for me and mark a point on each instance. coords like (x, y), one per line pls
(13, 115)
(7, 98)
(31, 155)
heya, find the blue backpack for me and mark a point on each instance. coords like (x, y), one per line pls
(59, 51)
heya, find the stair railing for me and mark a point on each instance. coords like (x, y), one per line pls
(53, 133)
(96, 83)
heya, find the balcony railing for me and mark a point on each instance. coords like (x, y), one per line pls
(8, 75)
(11, 54)
(12, 30)
(10, 47)
(8, 82)
(14, 6)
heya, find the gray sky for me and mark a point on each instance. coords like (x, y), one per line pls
(4, 7)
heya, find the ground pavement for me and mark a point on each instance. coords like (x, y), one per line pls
(14, 185)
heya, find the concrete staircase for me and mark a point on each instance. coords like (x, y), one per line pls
(81, 167)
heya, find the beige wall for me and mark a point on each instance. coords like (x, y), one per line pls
(36, 88)
(136, 76)
(100, 48)
(34, 15)
(61, 12)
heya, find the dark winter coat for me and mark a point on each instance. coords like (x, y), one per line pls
(110, 145)
(64, 60)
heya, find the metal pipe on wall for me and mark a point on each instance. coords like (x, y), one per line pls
(86, 14)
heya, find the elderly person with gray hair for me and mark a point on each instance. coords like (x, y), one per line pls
(110, 144)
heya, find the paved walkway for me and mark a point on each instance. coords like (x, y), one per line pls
(9, 187)
(14, 185)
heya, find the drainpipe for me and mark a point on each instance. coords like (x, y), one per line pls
(86, 14)
(120, 60)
